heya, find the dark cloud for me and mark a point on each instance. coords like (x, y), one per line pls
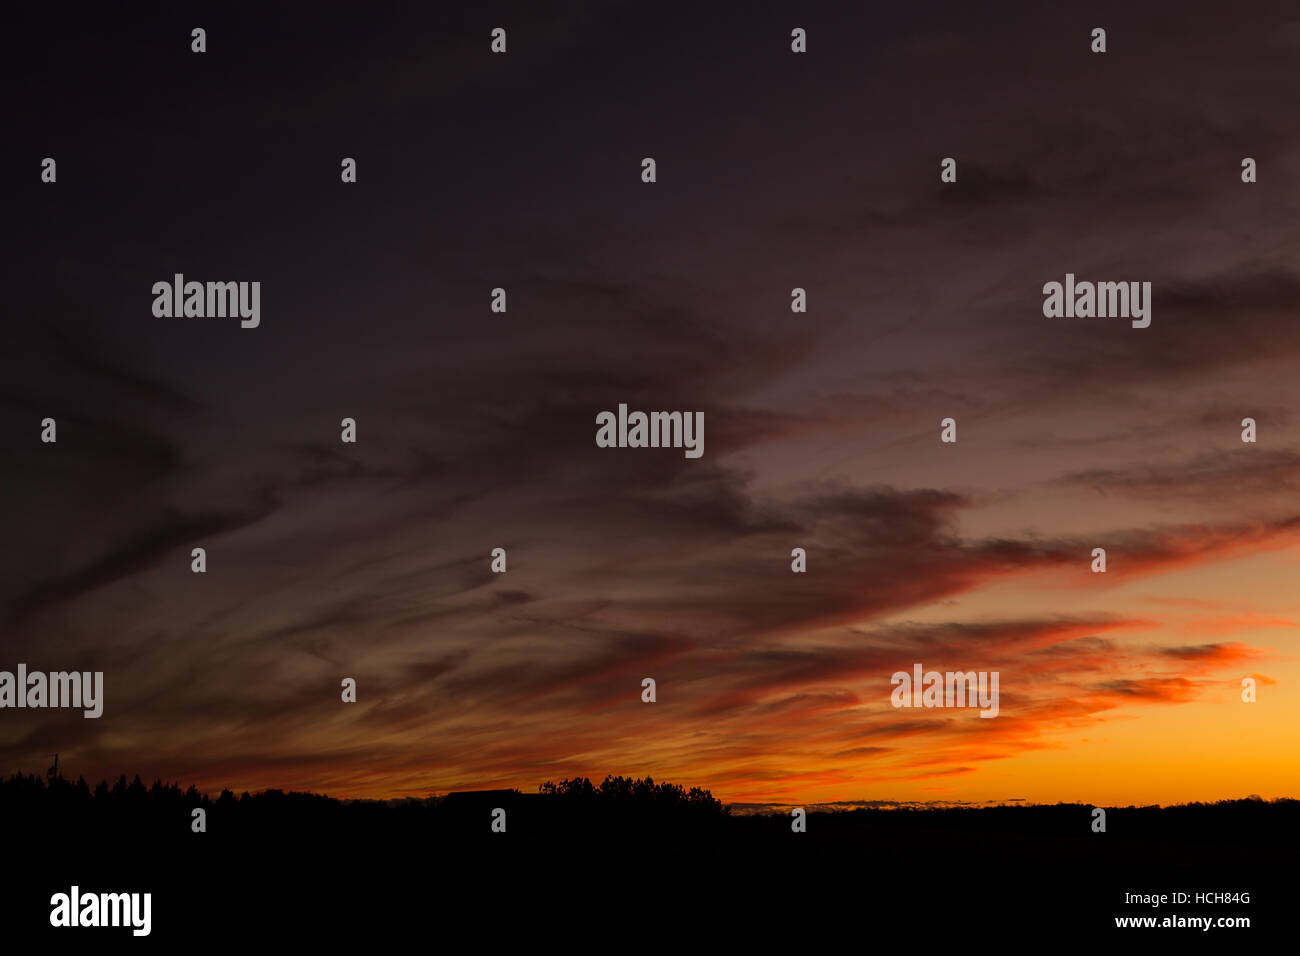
(136, 554)
(1252, 472)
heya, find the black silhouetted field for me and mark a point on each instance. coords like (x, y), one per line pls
(642, 857)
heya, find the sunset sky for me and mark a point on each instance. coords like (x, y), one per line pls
(476, 430)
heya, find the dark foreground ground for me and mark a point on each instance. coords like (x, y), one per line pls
(638, 870)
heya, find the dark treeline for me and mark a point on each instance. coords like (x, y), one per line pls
(160, 809)
(616, 803)
(628, 795)
(625, 852)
